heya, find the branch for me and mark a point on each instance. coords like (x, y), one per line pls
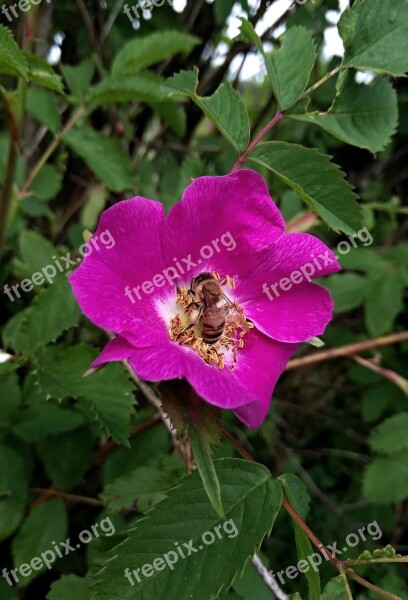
(268, 578)
(47, 493)
(348, 350)
(279, 116)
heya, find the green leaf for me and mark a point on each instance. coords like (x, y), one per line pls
(362, 115)
(52, 312)
(41, 73)
(10, 394)
(299, 500)
(375, 36)
(140, 87)
(75, 447)
(318, 181)
(47, 183)
(79, 77)
(13, 490)
(41, 420)
(228, 113)
(12, 60)
(251, 501)
(103, 155)
(336, 589)
(290, 66)
(384, 302)
(348, 291)
(386, 478)
(36, 250)
(144, 486)
(224, 108)
(145, 51)
(250, 586)
(43, 106)
(391, 435)
(108, 392)
(69, 587)
(204, 460)
(46, 524)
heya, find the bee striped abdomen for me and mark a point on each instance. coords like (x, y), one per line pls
(212, 326)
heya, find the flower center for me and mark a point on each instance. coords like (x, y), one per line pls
(209, 322)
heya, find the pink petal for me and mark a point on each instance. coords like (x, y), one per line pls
(116, 349)
(99, 284)
(304, 310)
(222, 223)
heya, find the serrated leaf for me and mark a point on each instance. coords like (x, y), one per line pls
(108, 392)
(103, 155)
(13, 490)
(47, 183)
(144, 486)
(227, 111)
(43, 106)
(46, 524)
(298, 498)
(41, 73)
(391, 435)
(375, 36)
(75, 446)
(336, 589)
(317, 180)
(251, 502)
(12, 60)
(70, 587)
(149, 50)
(140, 87)
(290, 66)
(10, 394)
(362, 115)
(52, 312)
(184, 82)
(386, 479)
(41, 420)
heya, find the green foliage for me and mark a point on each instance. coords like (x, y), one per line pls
(361, 115)
(391, 435)
(12, 60)
(108, 392)
(375, 36)
(47, 523)
(336, 589)
(13, 490)
(328, 193)
(104, 156)
(290, 66)
(68, 587)
(251, 500)
(385, 480)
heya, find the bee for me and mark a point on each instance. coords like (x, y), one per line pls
(211, 305)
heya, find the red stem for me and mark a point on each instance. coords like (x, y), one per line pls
(276, 119)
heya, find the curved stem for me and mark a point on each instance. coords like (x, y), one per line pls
(52, 492)
(349, 350)
(279, 116)
(321, 81)
(371, 586)
(50, 150)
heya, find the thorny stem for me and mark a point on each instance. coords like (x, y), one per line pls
(279, 116)
(50, 150)
(349, 350)
(340, 565)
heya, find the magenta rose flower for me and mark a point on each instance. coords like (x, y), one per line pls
(219, 267)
